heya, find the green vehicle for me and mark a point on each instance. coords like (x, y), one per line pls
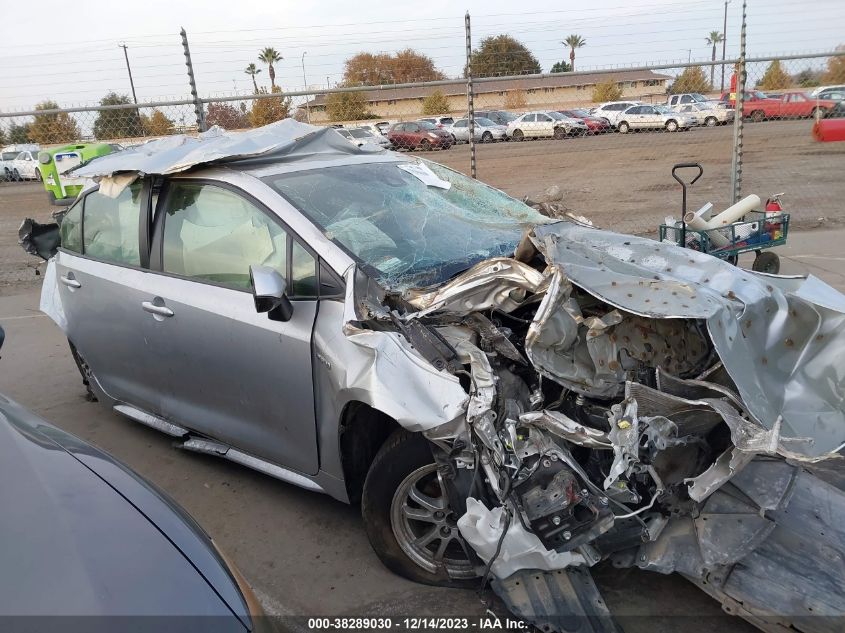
(56, 162)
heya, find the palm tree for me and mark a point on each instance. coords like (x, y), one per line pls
(252, 71)
(270, 56)
(573, 42)
(714, 38)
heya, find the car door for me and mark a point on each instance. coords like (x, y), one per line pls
(632, 117)
(460, 130)
(102, 285)
(650, 118)
(545, 125)
(228, 371)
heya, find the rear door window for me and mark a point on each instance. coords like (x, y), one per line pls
(110, 226)
(70, 229)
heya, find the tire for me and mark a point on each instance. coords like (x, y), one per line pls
(711, 121)
(487, 137)
(38, 175)
(425, 146)
(757, 116)
(671, 125)
(404, 466)
(559, 133)
(766, 262)
(518, 135)
(623, 127)
(454, 140)
(16, 175)
(818, 110)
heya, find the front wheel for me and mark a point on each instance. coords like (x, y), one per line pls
(487, 137)
(518, 135)
(425, 145)
(38, 175)
(407, 516)
(711, 121)
(16, 175)
(820, 111)
(672, 126)
(766, 262)
(623, 128)
(559, 133)
(757, 116)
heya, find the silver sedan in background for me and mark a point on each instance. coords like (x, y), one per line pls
(485, 131)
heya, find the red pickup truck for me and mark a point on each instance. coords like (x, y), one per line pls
(789, 105)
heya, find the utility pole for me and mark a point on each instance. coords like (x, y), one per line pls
(129, 70)
(305, 87)
(724, 43)
(689, 55)
(470, 99)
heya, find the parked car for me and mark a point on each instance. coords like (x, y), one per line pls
(544, 124)
(84, 535)
(25, 166)
(383, 127)
(594, 124)
(612, 109)
(707, 113)
(791, 105)
(360, 136)
(6, 158)
(438, 121)
(648, 117)
(832, 94)
(509, 395)
(686, 98)
(484, 130)
(421, 135)
(819, 89)
(499, 117)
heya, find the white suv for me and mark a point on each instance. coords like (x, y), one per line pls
(612, 109)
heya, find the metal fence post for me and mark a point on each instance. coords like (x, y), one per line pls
(198, 106)
(470, 99)
(739, 117)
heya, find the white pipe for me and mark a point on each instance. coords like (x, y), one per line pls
(694, 222)
(734, 212)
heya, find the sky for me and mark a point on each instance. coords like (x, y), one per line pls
(69, 51)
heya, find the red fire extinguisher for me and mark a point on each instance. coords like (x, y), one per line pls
(774, 227)
(773, 204)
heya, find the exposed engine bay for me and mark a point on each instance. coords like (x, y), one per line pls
(629, 401)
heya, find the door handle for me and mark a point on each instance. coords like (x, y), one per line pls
(152, 308)
(70, 282)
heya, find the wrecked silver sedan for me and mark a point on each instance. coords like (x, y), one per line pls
(512, 398)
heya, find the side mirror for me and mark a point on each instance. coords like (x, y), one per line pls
(268, 292)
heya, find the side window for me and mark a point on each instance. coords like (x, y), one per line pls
(70, 229)
(544, 118)
(529, 118)
(110, 225)
(214, 234)
(647, 110)
(686, 99)
(303, 272)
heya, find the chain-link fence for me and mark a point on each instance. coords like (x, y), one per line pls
(600, 143)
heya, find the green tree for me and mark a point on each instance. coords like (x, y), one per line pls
(252, 70)
(57, 127)
(561, 67)
(120, 123)
(501, 55)
(775, 77)
(2, 136)
(573, 42)
(607, 91)
(347, 106)
(157, 124)
(692, 79)
(435, 103)
(808, 78)
(270, 56)
(836, 69)
(714, 39)
(19, 133)
(269, 109)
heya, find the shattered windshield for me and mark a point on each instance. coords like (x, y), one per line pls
(412, 224)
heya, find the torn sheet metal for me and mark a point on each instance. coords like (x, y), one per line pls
(565, 427)
(781, 341)
(520, 549)
(285, 140)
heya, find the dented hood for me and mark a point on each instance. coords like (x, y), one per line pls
(780, 339)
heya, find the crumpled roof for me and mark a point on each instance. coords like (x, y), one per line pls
(781, 339)
(284, 140)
